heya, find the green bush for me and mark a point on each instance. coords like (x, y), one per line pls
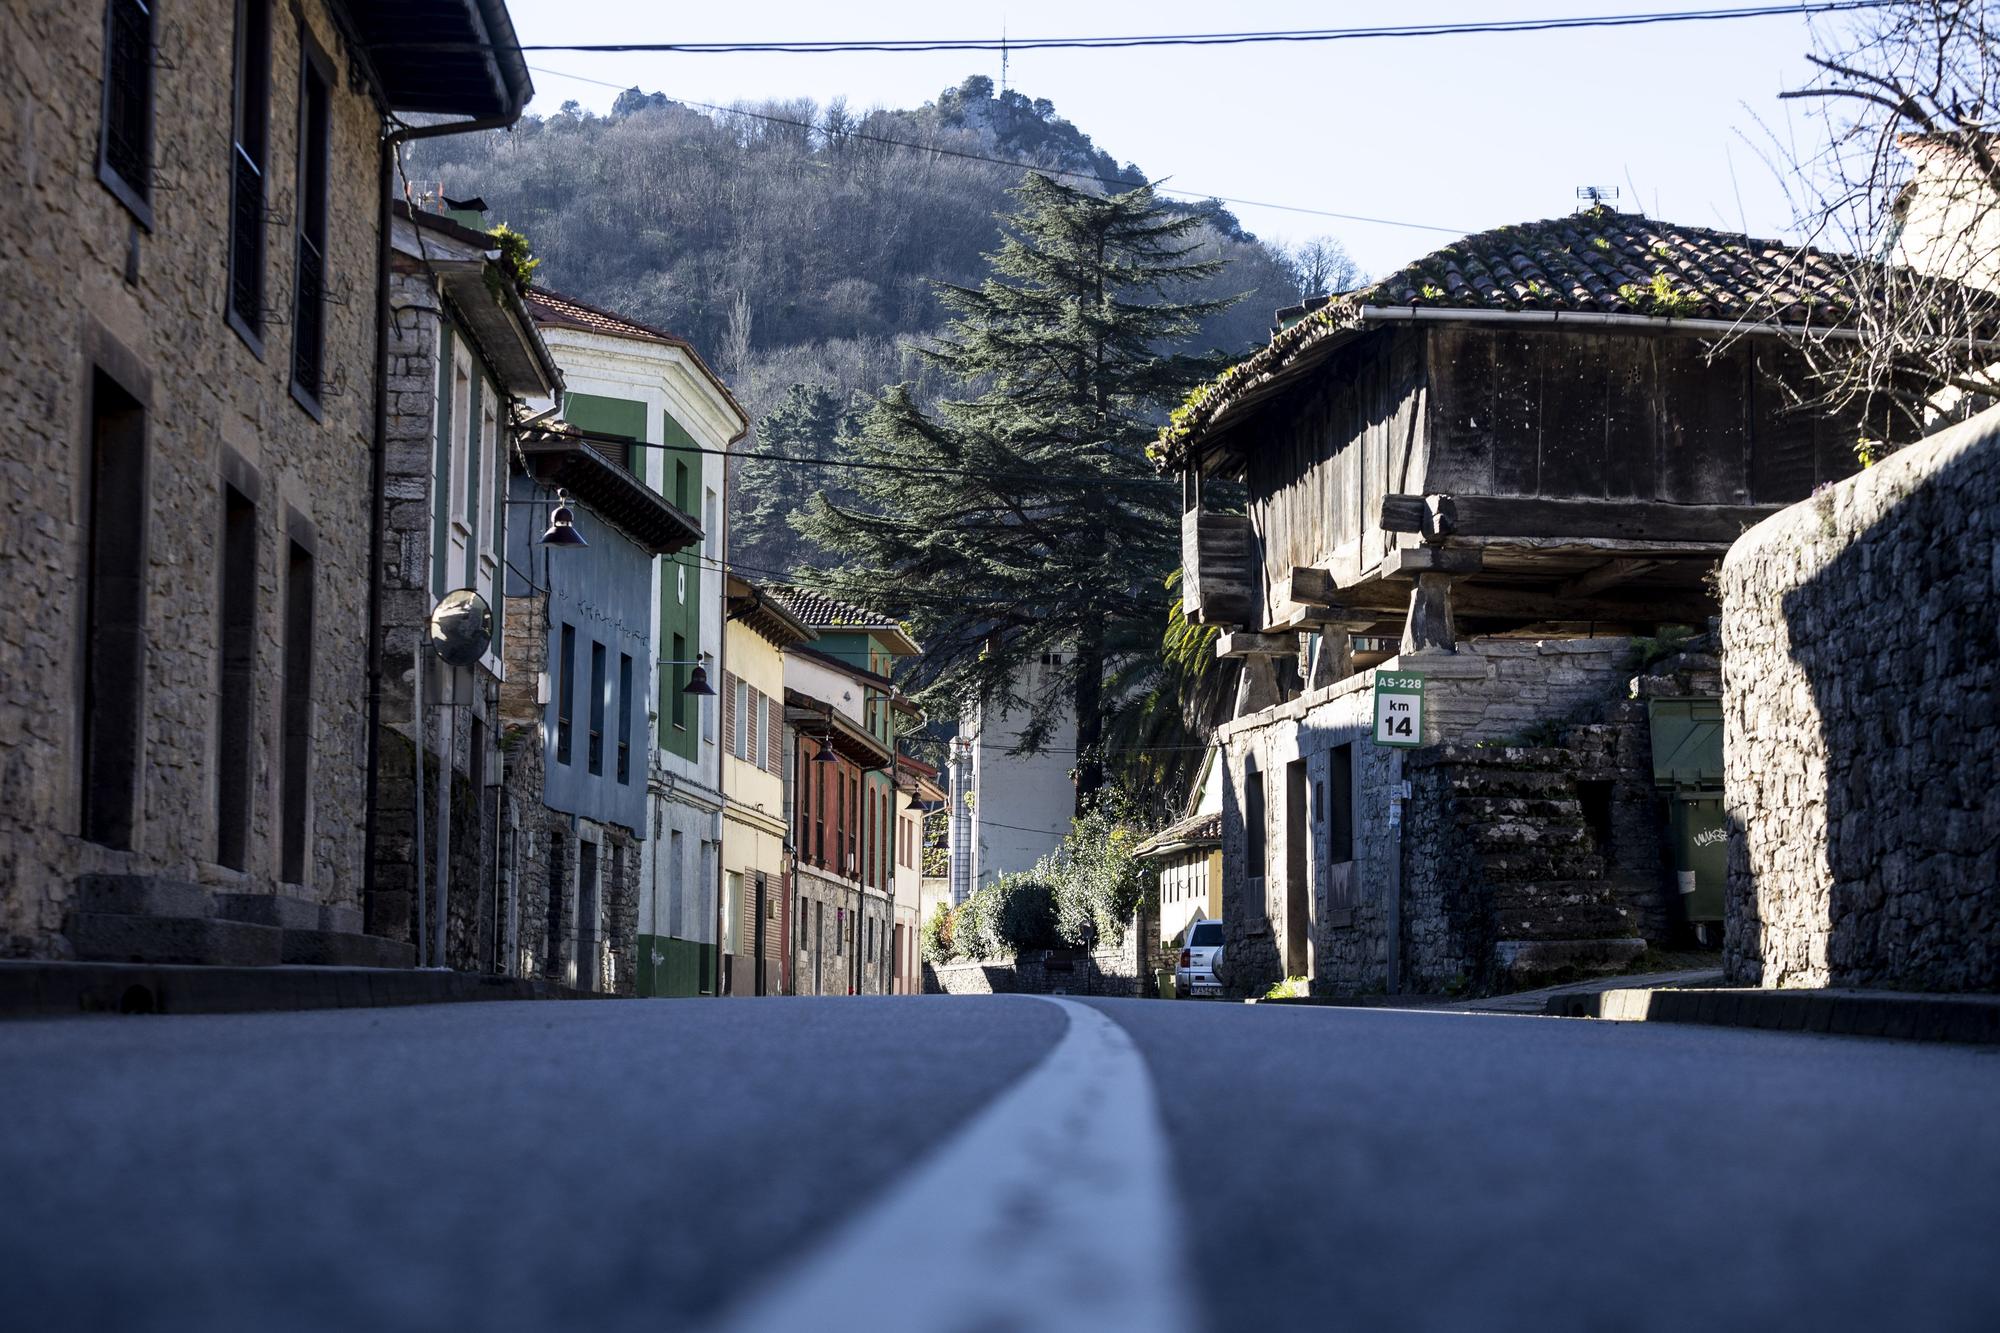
(1027, 914)
(1098, 882)
(938, 945)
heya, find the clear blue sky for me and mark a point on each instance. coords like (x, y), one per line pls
(1462, 132)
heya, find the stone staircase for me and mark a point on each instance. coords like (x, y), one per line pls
(1542, 904)
(151, 919)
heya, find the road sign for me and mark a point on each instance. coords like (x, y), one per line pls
(1399, 708)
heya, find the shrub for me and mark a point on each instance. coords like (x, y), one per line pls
(938, 945)
(1027, 913)
(1098, 882)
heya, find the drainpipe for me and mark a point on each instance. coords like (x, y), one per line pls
(378, 464)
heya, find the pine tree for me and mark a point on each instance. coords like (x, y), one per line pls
(1039, 526)
(807, 423)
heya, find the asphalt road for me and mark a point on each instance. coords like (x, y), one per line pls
(652, 1164)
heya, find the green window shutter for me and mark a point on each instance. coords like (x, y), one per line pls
(441, 466)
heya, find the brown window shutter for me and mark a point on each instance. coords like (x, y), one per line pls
(773, 736)
(728, 712)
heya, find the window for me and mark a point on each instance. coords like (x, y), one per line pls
(711, 537)
(839, 818)
(125, 134)
(236, 700)
(840, 931)
(871, 934)
(676, 678)
(625, 718)
(732, 911)
(740, 721)
(309, 260)
(565, 692)
(247, 165)
(1253, 818)
(1339, 808)
(596, 708)
(680, 485)
(114, 615)
(297, 773)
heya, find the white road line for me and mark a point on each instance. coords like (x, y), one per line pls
(1052, 1210)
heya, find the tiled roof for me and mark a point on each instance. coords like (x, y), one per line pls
(1194, 831)
(824, 612)
(1598, 262)
(554, 310)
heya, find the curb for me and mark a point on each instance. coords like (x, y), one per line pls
(1904, 1015)
(58, 990)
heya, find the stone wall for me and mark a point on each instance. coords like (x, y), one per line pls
(90, 288)
(1124, 968)
(1491, 689)
(1862, 713)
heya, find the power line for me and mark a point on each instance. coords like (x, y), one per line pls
(966, 155)
(1294, 36)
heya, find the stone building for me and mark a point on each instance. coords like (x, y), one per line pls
(916, 789)
(193, 201)
(464, 358)
(1521, 457)
(846, 714)
(1863, 763)
(650, 398)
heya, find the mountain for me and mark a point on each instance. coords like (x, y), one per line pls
(797, 244)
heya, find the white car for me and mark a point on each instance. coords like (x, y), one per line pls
(1201, 951)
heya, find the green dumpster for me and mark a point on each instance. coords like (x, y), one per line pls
(1687, 770)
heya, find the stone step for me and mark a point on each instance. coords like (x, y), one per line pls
(114, 937)
(1504, 782)
(340, 948)
(142, 895)
(1491, 809)
(1526, 835)
(1524, 960)
(1531, 911)
(1536, 864)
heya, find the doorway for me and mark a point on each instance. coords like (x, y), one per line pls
(763, 906)
(1298, 859)
(587, 963)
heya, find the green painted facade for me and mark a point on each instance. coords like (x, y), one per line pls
(684, 967)
(680, 598)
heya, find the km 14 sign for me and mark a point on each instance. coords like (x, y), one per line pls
(1399, 708)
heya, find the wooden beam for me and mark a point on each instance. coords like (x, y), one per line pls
(1516, 603)
(1609, 574)
(1314, 587)
(1532, 516)
(1243, 643)
(1409, 561)
(1434, 517)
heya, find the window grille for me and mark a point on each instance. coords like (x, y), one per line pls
(125, 147)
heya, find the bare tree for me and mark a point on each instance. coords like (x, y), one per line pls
(1322, 267)
(1903, 170)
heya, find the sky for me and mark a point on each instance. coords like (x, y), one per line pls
(1456, 133)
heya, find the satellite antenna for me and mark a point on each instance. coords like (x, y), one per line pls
(1596, 196)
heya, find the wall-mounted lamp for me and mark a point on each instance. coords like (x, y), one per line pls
(697, 682)
(562, 524)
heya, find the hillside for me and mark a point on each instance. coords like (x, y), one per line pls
(787, 240)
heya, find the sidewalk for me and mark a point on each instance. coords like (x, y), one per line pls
(1910, 1015)
(54, 990)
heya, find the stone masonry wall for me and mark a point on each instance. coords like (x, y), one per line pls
(1862, 715)
(1490, 689)
(1125, 968)
(86, 285)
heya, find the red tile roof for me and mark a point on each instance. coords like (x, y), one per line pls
(555, 310)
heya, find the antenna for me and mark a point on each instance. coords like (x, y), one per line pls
(1595, 196)
(1003, 55)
